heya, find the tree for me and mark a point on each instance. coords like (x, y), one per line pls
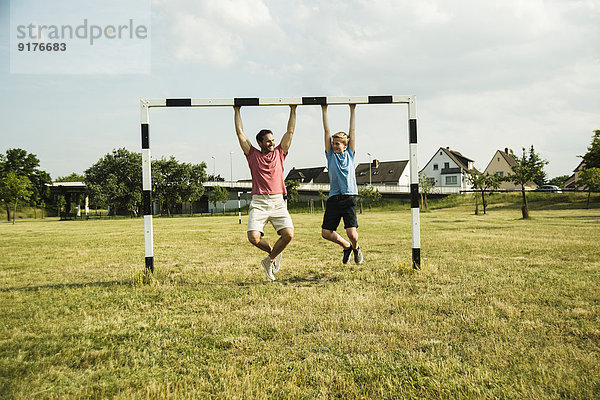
(14, 188)
(26, 164)
(559, 181)
(291, 188)
(528, 167)
(74, 177)
(591, 159)
(195, 188)
(215, 178)
(369, 194)
(218, 195)
(116, 180)
(589, 178)
(174, 182)
(482, 183)
(425, 187)
(322, 197)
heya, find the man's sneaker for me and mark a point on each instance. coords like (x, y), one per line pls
(347, 253)
(277, 263)
(268, 266)
(358, 257)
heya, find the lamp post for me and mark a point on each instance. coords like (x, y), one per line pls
(231, 165)
(369, 154)
(214, 175)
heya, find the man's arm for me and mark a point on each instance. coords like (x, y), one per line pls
(239, 130)
(326, 128)
(286, 140)
(352, 129)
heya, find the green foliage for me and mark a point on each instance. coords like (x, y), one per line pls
(15, 188)
(529, 167)
(482, 183)
(292, 191)
(368, 194)
(73, 177)
(425, 187)
(175, 183)
(592, 157)
(589, 178)
(322, 197)
(218, 195)
(26, 164)
(558, 181)
(116, 180)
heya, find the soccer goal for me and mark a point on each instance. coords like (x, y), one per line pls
(410, 101)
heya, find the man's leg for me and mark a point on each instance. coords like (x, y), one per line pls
(257, 240)
(285, 237)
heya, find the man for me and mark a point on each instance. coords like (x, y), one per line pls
(341, 203)
(268, 190)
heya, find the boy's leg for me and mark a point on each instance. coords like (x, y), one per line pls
(353, 236)
(333, 236)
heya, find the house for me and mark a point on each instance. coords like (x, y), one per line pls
(501, 165)
(571, 183)
(304, 175)
(383, 173)
(448, 168)
(376, 173)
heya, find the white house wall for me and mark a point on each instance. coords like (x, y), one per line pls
(440, 179)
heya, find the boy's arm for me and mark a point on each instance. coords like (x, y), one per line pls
(326, 128)
(286, 140)
(352, 129)
(239, 130)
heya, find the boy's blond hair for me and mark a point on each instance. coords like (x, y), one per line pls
(342, 136)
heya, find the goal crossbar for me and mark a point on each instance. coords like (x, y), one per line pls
(146, 104)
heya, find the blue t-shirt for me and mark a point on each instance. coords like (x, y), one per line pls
(342, 179)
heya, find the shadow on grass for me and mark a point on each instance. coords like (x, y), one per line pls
(311, 279)
(65, 286)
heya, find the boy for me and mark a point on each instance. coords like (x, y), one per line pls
(339, 150)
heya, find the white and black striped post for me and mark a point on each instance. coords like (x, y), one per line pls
(147, 187)
(414, 184)
(278, 101)
(239, 208)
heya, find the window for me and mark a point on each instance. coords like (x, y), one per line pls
(500, 174)
(362, 173)
(435, 167)
(446, 165)
(391, 171)
(451, 180)
(375, 172)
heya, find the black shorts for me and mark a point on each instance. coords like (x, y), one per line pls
(338, 207)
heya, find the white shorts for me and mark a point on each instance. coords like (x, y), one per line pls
(268, 208)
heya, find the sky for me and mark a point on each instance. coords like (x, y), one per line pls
(486, 75)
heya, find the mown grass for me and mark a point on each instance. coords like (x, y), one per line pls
(502, 308)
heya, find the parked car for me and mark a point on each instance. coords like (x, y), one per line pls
(548, 188)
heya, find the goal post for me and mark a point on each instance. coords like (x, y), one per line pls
(146, 104)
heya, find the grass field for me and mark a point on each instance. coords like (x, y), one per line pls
(502, 308)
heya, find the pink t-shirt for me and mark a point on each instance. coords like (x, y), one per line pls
(266, 171)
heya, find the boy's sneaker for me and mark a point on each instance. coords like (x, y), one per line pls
(268, 266)
(358, 256)
(347, 253)
(277, 263)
